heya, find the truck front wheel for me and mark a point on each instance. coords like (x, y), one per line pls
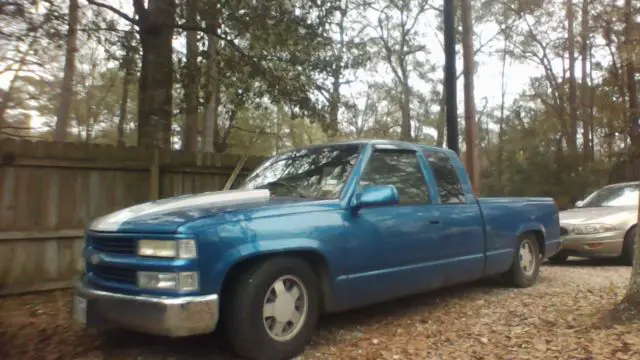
(273, 309)
(526, 263)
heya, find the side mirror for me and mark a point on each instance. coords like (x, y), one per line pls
(377, 195)
(579, 203)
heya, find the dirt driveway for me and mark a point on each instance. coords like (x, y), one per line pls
(556, 319)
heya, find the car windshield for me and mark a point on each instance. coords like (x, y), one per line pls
(318, 172)
(618, 195)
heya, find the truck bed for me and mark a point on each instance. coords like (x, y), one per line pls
(506, 216)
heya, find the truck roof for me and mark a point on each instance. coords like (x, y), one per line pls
(394, 143)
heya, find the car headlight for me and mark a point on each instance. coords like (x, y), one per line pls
(181, 281)
(180, 249)
(587, 229)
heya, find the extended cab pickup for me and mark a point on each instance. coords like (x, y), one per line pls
(321, 229)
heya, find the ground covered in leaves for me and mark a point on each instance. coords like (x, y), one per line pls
(559, 318)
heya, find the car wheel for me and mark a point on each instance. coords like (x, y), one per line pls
(628, 247)
(558, 258)
(273, 309)
(526, 263)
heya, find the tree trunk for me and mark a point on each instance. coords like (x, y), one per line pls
(503, 95)
(155, 108)
(127, 64)
(212, 98)
(6, 98)
(212, 93)
(572, 143)
(335, 97)
(471, 128)
(584, 88)
(331, 129)
(405, 132)
(628, 54)
(191, 83)
(66, 93)
(633, 293)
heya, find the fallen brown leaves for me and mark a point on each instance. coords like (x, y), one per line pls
(556, 319)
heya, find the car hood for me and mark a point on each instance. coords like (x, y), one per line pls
(607, 215)
(166, 215)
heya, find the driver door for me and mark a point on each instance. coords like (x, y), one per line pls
(392, 249)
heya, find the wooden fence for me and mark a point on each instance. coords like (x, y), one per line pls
(50, 191)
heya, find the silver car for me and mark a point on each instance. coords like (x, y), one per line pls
(601, 226)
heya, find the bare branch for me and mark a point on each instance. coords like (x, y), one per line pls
(114, 10)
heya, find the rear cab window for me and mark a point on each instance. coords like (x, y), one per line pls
(447, 180)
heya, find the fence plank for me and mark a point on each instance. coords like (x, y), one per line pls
(49, 192)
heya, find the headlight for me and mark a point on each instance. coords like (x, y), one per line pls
(181, 249)
(587, 229)
(182, 281)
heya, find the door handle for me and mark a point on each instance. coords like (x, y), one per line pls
(434, 222)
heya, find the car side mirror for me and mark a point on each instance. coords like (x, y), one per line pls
(377, 195)
(579, 203)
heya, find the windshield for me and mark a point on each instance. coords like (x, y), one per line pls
(318, 172)
(618, 195)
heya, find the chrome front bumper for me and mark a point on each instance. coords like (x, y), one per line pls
(173, 317)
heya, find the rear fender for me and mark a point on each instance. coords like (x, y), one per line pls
(531, 226)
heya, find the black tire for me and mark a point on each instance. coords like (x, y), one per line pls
(628, 247)
(558, 258)
(244, 326)
(516, 276)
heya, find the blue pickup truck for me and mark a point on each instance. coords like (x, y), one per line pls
(320, 229)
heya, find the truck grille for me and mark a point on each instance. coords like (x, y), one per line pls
(115, 245)
(115, 274)
(564, 231)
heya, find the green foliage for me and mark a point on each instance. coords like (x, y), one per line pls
(284, 64)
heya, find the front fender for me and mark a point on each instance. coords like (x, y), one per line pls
(247, 251)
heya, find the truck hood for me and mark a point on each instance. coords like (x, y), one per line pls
(606, 214)
(166, 215)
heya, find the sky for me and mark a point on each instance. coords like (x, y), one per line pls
(487, 78)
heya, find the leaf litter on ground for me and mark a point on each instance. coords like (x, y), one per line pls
(558, 318)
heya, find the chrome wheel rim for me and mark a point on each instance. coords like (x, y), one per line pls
(527, 258)
(284, 310)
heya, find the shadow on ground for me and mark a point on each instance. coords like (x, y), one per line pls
(573, 261)
(120, 344)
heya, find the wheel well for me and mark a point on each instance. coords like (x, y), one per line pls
(317, 262)
(629, 230)
(539, 236)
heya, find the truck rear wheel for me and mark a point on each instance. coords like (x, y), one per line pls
(273, 309)
(526, 263)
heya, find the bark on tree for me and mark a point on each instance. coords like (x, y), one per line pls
(127, 66)
(471, 128)
(212, 95)
(335, 97)
(191, 83)
(501, 122)
(572, 142)
(212, 98)
(155, 88)
(66, 93)
(633, 293)
(585, 97)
